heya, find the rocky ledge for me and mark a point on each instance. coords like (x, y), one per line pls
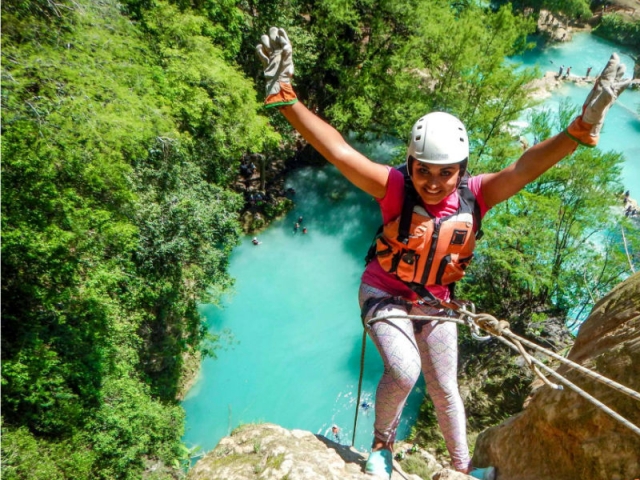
(560, 435)
(270, 452)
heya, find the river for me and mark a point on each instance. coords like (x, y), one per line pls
(294, 356)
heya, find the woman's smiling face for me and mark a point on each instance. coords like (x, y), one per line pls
(434, 183)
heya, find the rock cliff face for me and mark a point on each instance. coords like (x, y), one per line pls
(560, 435)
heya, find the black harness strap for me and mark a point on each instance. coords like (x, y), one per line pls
(410, 201)
(467, 196)
(377, 303)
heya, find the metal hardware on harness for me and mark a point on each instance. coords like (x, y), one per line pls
(468, 317)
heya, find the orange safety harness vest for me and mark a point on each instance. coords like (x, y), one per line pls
(421, 250)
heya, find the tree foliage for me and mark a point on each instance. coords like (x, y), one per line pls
(569, 8)
(119, 143)
(376, 66)
(557, 244)
(616, 28)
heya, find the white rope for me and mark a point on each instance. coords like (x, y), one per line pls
(596, 376)
(601, 378)
(578, 390)
(514, 343)
(529, 359)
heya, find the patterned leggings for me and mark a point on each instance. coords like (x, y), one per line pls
(405, 353)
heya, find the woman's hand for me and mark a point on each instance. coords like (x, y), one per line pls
(276, 55)
(609, 85)
(499, 186)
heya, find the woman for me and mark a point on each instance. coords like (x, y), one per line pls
(417, 261)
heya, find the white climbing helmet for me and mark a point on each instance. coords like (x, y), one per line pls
(438, 138)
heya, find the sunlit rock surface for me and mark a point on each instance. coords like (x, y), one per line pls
(560, 435)
(270, 452)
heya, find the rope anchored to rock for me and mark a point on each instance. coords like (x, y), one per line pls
(500, 329)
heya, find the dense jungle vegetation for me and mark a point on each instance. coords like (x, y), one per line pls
(123, 127)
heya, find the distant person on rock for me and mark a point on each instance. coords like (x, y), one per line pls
(588, 72)
(625, 198)
(445, 209)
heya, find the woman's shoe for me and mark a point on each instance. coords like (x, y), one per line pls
(488, 473)
(380, 464)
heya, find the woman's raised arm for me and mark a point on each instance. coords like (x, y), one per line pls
(584, 130)
(358, 169)
(499, 186)
(275, 53)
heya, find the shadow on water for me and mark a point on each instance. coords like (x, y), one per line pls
(333, 206)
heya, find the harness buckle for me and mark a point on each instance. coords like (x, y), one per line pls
(409, 257)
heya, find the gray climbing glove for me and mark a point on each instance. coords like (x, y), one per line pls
(275, 53)
(608, 86)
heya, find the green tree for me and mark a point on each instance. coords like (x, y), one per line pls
(119, 142)
(570, 8)
(556, 243)
(376, 66)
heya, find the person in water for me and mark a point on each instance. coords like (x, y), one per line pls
(447, 203)
(336, 433)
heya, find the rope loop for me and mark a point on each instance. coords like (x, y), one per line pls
(491, 324)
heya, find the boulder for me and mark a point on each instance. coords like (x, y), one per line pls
(555, 27)
(562, 436)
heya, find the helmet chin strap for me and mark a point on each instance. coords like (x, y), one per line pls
(410, 160)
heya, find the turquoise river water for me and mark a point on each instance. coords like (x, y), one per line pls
(294, 354)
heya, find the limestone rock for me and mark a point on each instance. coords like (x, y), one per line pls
(562, 436)
(554, 26)
(270, 452)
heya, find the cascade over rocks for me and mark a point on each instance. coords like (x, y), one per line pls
(561, 436)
